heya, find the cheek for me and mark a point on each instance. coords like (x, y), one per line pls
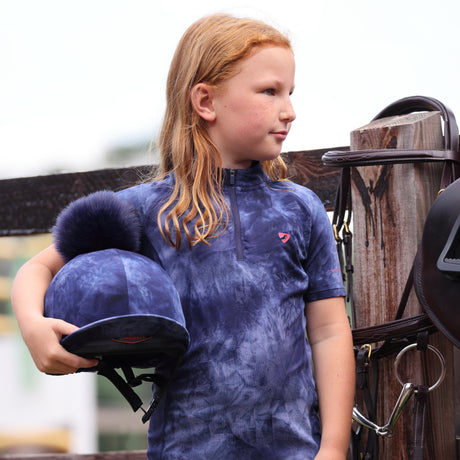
(258, 124)
(246, 118)
(255, 118)
(249, 127)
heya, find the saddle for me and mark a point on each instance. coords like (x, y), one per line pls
(437, 265)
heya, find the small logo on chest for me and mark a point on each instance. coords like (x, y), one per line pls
(284, 237)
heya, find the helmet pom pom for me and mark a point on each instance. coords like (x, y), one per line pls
(101, 220)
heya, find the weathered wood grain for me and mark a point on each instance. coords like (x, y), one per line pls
(390, 204)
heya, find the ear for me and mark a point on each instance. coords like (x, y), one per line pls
(201, 97)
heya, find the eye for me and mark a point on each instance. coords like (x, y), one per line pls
(269, 91)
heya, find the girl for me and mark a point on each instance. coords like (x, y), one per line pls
(251, 254)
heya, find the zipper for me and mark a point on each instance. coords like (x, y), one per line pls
(236, 216)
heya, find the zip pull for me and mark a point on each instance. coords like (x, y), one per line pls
(232, 176)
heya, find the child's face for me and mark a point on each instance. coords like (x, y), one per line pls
(253, 110)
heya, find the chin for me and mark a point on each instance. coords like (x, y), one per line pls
(272, 157)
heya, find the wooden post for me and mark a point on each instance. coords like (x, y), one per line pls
(390, 204)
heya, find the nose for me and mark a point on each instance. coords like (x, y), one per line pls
(287, 113)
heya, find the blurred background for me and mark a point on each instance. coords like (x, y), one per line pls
(82, 87)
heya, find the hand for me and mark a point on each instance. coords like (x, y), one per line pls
(43, 337)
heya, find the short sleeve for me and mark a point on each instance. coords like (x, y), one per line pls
(322, 265)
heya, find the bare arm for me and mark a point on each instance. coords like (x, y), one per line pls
(331, 342)
(42, 335)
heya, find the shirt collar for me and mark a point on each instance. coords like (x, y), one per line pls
(252, 176)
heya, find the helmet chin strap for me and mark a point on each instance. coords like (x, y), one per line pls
(125, 386)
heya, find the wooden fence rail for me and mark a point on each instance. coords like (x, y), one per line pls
(30, 205)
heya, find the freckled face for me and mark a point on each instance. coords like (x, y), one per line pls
(253, 110)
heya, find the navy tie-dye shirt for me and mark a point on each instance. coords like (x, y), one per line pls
(245, 389)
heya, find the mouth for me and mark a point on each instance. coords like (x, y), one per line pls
(280, 135)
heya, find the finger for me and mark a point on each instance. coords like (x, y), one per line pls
(77, 362)
(69, 359)
(63, 362)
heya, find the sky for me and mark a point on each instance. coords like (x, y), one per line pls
(81, 77)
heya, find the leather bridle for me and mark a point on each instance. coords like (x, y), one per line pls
(393, 336)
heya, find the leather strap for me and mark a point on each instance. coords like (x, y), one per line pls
(342, 200)
(369, 389)
(412, 104)
(450, 154)
(392, 330)
(369, 157)
(421, 398)
(343, 205)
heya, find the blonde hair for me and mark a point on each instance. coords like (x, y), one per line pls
(208, 52)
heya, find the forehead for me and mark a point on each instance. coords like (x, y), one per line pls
(268, 60)
(267, 52)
